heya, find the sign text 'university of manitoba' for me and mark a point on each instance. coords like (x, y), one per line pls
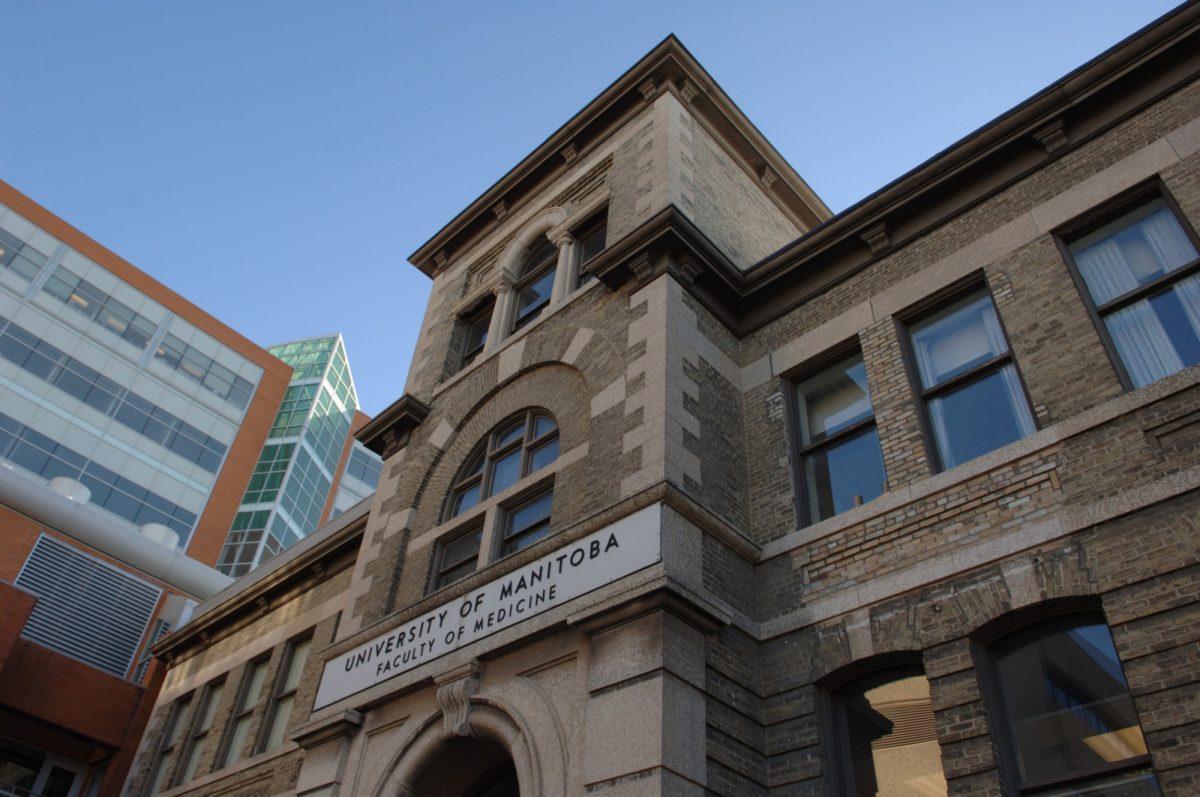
(600, 558)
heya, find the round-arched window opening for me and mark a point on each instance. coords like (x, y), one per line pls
(513, 450)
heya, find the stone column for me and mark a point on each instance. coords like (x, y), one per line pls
(564, 275)
(498, 328)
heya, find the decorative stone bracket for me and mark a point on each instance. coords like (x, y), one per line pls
(454, 692)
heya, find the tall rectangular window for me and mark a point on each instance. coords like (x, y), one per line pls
(973, 396)
(239, 725)
(167, 745)
(1140, 273)
(840, 463)
(284, 699)
(201, 725)
(475, 329)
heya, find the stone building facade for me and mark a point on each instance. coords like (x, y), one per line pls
(698, 489)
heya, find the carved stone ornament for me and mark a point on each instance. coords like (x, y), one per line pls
(454, 692)
(570, 152)
(688, 91)
(439, 258)
(767, 177)
(642, 267)
(1053, 136)
(649, 89)
(500, 209)
(876, 237)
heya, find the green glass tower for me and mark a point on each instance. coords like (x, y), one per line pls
(298, 464)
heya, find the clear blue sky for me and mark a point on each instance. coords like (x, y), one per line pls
(276, 161)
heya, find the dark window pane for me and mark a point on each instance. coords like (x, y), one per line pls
(186, 447)
(533, 297)
(1067, 703)
(508, 434)
(13, 350)
(461, 549)
(592, 244)
(40, 365)
(543, 455)
(506, 471)
(465, 499)
(58, 287)
(157, 431)
(980, 417)
(844, 475)
(132, 416)
(527, 524)
(209, 460)
(29, 457)
(543, 424)
(72, 383)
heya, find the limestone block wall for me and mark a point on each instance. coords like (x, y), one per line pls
(730, 205)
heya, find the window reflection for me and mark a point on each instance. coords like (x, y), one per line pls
(839, 447)
(1069, 713)
(886, 744)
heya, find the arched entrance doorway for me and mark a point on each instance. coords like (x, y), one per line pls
(465, 767)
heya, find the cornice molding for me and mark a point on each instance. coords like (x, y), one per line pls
(669, 67)
(1059, 120)
(389, 431)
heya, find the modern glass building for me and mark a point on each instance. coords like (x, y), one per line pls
(303, 457)
(129, 421)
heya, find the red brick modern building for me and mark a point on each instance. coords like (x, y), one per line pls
(131, 427)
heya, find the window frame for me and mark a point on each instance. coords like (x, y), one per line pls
(480, 313)
(831, 712)
(197, 731)
(798, 450)
(243, 709)
(923, 310)
(491, 519)
(1017, 630)
(596, 222)
(532, 272)
(162, 772)
(1105, 213)
(440, 567)
(280, 691)
(504, 531)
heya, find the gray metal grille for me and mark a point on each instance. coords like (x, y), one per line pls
(86, 609)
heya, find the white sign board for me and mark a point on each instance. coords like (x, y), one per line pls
(600, 558)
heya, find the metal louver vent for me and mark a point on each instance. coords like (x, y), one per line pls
(86, 609)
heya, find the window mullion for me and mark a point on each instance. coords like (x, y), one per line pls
(965, 378)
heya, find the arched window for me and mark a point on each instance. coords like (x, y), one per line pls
(883, 738)
(517, 448)
(535, 283)
(1066, 722)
